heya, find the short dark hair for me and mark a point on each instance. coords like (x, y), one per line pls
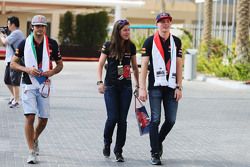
(14, 20)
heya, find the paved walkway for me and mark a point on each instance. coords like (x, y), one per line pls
(212, 128)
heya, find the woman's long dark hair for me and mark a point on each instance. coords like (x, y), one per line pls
(118, 46)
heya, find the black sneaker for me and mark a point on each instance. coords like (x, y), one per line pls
(119, 157)
(160, 150)
(106, 150)
(155, 159)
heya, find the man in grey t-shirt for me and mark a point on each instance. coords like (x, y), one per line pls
(12, 78)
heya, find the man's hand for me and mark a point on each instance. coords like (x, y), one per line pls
(48, 74)
(2, 35)
(3, 38)
(33, 71)
(177, 94)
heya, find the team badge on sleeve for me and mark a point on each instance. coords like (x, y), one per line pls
(17, 51)
(180, 52)
(103, 47)
(143, 50)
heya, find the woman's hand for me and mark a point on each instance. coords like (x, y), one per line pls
(101, 88)
(143, 94)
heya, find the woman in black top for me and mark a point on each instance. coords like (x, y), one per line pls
(120, 52)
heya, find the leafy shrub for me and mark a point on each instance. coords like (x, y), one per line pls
(214, 64)
(138, 40)
(217, 48)
(186, 40)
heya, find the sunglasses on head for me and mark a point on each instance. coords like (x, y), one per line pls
(123, 22)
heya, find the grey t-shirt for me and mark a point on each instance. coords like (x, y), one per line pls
(13, 39)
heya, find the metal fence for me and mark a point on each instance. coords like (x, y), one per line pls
(224, 33)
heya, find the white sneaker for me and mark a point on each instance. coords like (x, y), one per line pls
(14, 105)
(10, 101)
(32, 159)
(36, 147)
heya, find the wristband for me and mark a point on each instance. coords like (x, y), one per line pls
(179, 87)
(99, 82)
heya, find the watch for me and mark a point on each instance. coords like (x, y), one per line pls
(179, 87)
(99, 82)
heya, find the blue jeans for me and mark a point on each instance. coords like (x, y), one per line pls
(117, 100)
(156, 97)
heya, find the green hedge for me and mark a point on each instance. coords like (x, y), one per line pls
(91, 29)
(66, 31)
(83, 35)
(222, 67)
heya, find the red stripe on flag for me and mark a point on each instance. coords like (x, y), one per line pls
(48, 51)
(158, 44)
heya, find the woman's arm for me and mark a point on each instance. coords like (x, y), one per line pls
(135, 70)
(101, 63)
(144, 71)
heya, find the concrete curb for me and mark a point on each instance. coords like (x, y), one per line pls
(223, 82)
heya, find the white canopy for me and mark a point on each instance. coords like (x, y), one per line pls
(107, 3)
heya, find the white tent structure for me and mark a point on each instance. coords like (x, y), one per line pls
(53, 8)
(117, 4)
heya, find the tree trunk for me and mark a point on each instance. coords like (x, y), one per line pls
(207, 31)
(242, 32)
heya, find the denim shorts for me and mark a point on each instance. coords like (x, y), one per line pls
(34, 103)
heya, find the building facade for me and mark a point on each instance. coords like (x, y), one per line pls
(137, 12)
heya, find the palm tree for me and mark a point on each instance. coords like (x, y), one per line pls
(163, 6)
(207, 31)
(242, 31)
